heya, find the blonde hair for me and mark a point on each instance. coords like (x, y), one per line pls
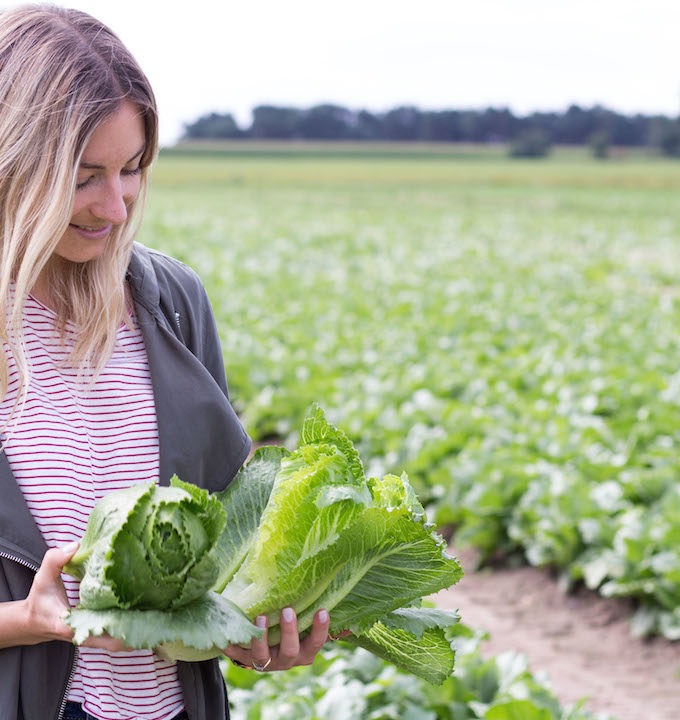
(62, 73)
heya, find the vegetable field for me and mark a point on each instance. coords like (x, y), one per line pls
(344, 686)
(507, 332)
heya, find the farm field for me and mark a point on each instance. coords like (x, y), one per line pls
(504, 331)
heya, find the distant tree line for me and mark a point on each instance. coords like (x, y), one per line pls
(596, 126)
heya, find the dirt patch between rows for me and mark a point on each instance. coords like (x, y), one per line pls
(583, 641)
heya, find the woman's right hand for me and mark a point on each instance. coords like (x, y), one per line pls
(46, 607)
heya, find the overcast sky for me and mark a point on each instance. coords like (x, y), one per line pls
(204, 56)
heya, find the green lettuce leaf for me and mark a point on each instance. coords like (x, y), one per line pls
(418, 620)
(243, 502)
(330, 538)
(517, 710)
(413, 639)
(196, 631)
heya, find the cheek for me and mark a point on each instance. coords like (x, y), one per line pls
(131, 188)
(80, 202)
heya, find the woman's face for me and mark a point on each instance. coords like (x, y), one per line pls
(108, 183)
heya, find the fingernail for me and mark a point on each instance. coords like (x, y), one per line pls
(323, 616)
(261, 621)
(288, 614)
(70, 547)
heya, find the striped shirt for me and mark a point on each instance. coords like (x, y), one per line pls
(70, 446)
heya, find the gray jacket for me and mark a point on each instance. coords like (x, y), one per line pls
(200, 438)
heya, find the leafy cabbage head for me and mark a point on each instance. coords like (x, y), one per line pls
(149, 548)
(328, 537)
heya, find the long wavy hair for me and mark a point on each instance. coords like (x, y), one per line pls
(62, 73)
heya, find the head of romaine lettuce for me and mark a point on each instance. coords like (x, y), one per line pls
(308, 529)
(149, 548)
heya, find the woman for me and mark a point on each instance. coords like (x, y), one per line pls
(111, 371)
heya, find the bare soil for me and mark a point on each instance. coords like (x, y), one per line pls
(583, 641)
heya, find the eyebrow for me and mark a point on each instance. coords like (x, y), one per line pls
(90, 166)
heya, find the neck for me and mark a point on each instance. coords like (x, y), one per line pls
(41, 290)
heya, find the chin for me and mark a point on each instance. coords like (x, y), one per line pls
(77, 250)
(82, 256)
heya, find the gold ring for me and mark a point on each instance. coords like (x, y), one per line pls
(261, 668)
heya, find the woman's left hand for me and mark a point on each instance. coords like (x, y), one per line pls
(291, 651)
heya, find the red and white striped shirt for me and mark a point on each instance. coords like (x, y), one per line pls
(70, 446)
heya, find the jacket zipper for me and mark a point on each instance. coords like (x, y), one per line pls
(179, 327)
(62, 708)
(34, 567)
(19, 560)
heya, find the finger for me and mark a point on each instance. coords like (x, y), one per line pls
(55, 559)
(311, 645)
(289, 647)
(105, 642)
(60, 630)
(259, 649)
(239, 654)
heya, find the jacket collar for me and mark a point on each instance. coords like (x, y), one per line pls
(142, 278)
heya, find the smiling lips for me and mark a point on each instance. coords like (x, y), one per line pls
(92, 233)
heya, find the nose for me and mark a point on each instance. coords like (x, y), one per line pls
(112, 202)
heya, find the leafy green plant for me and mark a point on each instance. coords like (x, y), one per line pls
(147, 563)
(149, 547)
(305, 529)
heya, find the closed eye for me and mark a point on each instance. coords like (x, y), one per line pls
(127, 173)
(85, 183)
